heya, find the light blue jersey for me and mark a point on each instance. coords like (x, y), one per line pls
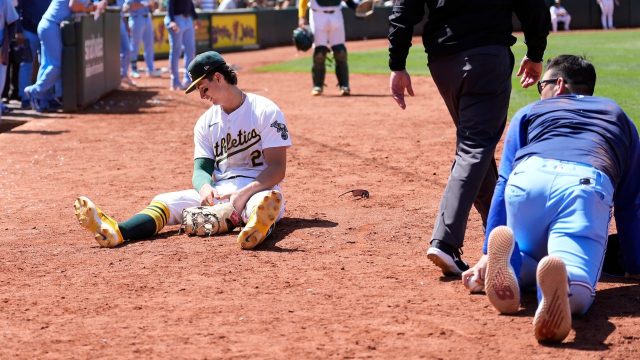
(59, 10)
(143, 11)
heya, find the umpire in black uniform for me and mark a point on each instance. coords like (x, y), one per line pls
(468, 46)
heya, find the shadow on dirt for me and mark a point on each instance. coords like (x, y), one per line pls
(125, 102)
(593, 328)
(285, 227)
(288, 225)
(355, 95)
(7, 125)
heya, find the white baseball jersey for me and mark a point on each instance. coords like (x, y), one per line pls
(236, 141)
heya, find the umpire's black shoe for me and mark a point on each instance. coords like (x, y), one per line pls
(447, 258)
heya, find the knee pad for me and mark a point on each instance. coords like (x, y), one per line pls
(581, 297)
(339, 53)
(320, 55)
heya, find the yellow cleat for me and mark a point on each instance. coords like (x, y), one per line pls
(105, 228)
(261, 221)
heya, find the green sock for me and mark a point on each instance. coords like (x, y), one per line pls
(146, 223)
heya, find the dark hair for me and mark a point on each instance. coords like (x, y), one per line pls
(577, 71)
(227, 72)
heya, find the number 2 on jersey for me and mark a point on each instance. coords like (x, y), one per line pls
(255, 156)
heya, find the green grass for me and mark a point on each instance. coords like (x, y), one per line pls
(613, 53)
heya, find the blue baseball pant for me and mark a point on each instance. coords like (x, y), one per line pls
(560, 208)
(185, 37)
(142, 30)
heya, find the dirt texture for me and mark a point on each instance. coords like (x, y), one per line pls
(340, 278)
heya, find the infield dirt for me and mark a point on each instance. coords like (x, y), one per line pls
(340, 278)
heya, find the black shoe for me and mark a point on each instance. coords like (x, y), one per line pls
(447, 258)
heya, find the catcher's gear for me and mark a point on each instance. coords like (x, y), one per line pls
(364, 8)
(210, 220)
(319, 69)
(342, 68)
(261, 222)
(302, 38)
(104, 228)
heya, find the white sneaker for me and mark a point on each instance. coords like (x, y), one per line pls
(135, 74)
(127, 81)
(552, 322)
(501, 283)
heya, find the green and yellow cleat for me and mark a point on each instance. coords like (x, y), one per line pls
(105, 228)
(261, 221)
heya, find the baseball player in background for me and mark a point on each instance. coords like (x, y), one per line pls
(8, 22)
(559, 13)
(48, 85)
(30, 12)
(239, 159)
(607, 7)
(179, 21)
(327, 25)
(567, 160)
(125, 52)
(468, 45)
(141, 30)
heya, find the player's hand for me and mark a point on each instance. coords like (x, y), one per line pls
(196, 24)
(530, 71)
(301, 22)
(398, 82)
(239, 200)
(174, 27)
(208, 195)
(479, 269)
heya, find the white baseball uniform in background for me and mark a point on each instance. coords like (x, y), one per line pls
(236, 143)
(327, 23)
(607, 13)
(559, 13)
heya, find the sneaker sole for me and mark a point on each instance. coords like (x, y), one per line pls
(261, 222)
(501, 283)
(552, 321)
(440, 259)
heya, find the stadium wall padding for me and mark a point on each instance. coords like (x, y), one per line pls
(90, 59)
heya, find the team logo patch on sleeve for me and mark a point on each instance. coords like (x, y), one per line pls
(282, 129)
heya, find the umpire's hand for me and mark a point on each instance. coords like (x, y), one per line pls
(398, 82)
(530, 71)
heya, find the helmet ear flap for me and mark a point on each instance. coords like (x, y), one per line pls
(302, 39)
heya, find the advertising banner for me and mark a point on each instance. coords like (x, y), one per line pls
(234, 30)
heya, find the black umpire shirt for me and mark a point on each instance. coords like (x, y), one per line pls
(457, 25)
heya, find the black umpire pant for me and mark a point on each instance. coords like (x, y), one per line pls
(475, 85)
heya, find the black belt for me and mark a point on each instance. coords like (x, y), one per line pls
(325, 11)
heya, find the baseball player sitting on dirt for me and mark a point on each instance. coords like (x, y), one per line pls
(239, 159)
(567, 160)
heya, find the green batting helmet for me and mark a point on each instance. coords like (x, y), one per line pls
(302, 39)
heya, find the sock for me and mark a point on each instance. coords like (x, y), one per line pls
(146, 223)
